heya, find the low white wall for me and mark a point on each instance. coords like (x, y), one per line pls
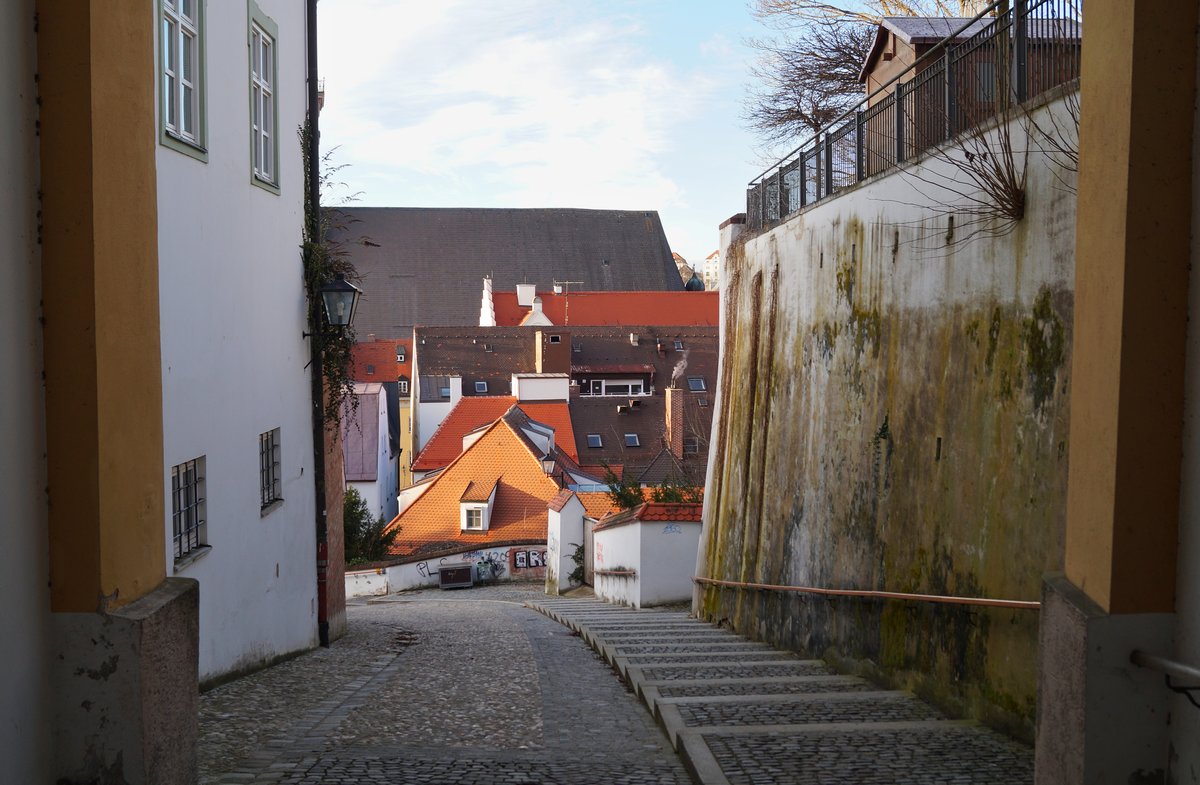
(618, 548)
(564, 533)
(668, 560)
(506, 563)
(366, 583)
(661, 554)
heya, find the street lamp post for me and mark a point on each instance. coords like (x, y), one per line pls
(339, 300)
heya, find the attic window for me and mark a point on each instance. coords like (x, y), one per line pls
(594, 441)
(403, 387)
(691, 445)
(399, 354)
(577, 347)
(370, 369)
(696, 384)
(678, 345)
(555, 339)
(702, 401)
(480, 387)
(487, 347)
(631, 440)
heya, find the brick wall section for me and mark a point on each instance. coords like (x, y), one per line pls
(675, 426)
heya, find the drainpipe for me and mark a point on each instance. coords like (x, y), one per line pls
(317, 344)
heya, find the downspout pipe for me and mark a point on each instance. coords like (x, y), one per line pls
(316, 345)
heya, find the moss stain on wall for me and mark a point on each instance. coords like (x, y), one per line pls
(867, 445)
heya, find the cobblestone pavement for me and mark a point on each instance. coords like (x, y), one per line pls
(742, 714)
(465, 687)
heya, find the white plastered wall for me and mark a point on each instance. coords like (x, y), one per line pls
(668, 560)
(618, 548)
(24, 644)
(234, 362)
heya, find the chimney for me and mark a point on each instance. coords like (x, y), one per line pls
(525, 293)
(674, 431)
(487, 308)
(551, 351)
(537, 305)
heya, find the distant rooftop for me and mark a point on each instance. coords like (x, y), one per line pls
(422, 266)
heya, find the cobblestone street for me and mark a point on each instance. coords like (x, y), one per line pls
(506, 685)
(437, 687)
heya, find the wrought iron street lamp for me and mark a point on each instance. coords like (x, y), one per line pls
(341, 300)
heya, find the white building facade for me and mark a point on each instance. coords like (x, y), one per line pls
(238, 470)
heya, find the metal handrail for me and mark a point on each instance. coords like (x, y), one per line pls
(1155, 662)
(1169, 668)
(880, 91)
(916, 111)
(887, 595)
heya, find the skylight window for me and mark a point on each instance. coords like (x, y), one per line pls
(555, 339)
(702, 401)
(631, 440)
(594, 440)
(370, 369)
(678, 345)
(480, 387)
(696, 384)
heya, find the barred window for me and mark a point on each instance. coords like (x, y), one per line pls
(187, 506)
(268, 468)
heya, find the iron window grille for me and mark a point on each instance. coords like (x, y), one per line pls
(268, 468)
(187, 506)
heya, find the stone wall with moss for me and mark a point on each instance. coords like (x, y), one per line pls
(893, 415)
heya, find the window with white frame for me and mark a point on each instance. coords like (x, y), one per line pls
(181, 55)
(474, 519)
(594, 440)
(263, 111)
(268, 468)
(691, 445)
(402, 386)
(481, 387)
(187, 507)
(399, 354)
(623, 387)
(631, 440)
(696, 384)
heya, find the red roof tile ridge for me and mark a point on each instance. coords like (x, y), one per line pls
(445, 424)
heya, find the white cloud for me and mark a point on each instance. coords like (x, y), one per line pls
(525, 103)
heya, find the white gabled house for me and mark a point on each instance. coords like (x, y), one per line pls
(236, 391)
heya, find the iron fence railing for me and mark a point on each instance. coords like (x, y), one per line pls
(1012, 51)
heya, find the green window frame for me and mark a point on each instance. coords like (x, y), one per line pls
(183, 77)
(262, 41)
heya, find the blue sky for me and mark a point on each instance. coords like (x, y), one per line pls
(543, 103)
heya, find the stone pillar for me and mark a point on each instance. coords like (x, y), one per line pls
(1101, 719)
(124, 637)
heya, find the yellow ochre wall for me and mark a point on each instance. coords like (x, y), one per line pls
(100, 283)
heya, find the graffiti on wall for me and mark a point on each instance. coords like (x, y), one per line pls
(528, 559)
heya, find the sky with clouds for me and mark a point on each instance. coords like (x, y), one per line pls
(607, 104)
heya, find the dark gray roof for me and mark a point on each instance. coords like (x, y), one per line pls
(930, 30)
(425, 266)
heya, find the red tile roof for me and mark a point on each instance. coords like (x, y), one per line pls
(665, 309)
(523, 491)
(653, 511)
(560, 501)
(596, 505)
(475, 411)
(380, 356)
